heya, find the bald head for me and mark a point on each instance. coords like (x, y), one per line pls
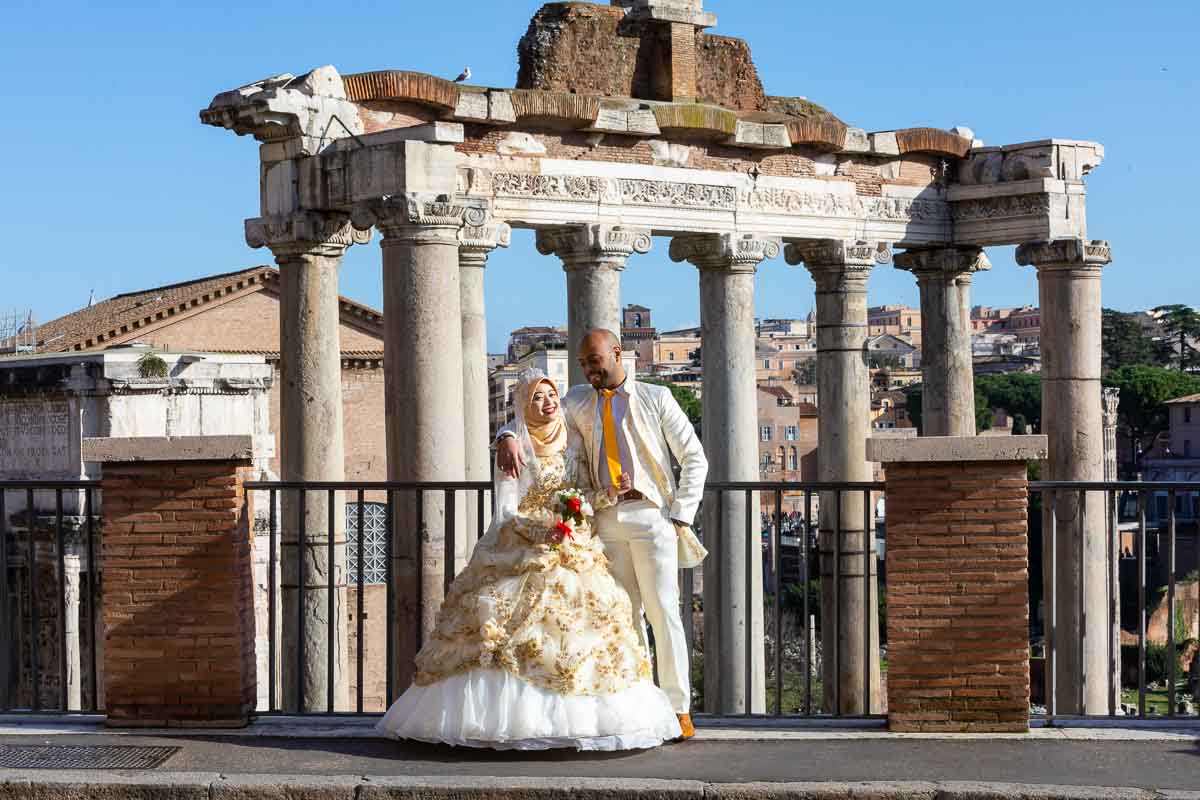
(600, 358)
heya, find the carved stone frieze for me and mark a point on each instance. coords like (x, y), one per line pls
(1065, 253)
(305, 232)
(667, 194)
(547, 187)
(943, 262)
(1023, 205)
(828, 204)
(731, 252)
(671, 194)
(581, 245)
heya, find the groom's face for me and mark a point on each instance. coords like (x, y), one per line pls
(600, 361)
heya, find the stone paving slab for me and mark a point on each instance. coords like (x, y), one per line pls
(213, 786)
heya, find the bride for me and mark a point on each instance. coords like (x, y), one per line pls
(534, 646)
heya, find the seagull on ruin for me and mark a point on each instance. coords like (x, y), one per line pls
(465, 76)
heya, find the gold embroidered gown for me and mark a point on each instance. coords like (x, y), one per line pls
(534, 646)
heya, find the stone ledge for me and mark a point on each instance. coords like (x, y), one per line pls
(957, 448)
(135, 449)
(40, 785)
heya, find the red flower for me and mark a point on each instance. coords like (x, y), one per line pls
(564, 531)
(575, 504)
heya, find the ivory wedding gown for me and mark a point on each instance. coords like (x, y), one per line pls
(535, 647)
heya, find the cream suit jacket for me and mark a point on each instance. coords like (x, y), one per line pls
(655, 428)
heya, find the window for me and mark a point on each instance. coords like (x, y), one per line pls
(764, 433)
(793, 463)
(1187, 448)
(790, 433)
(766, 460)
(766, 363)
(1187, 414)
(374, 557)
(637, 320)
(671, 356)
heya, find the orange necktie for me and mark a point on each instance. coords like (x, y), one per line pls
(612, 452)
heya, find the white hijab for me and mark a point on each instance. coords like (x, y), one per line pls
(551, 436)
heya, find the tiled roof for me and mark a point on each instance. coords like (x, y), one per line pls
(121, 317)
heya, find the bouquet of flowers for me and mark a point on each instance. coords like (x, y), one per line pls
(573, 507)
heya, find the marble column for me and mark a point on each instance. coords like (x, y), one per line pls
(423, 378)
(944, 279)
(476, 243)
(727, 264)
(308, 248)
(593, 257)
(1072, 417)
(1112, 404)
(74, 653)
(841, 269)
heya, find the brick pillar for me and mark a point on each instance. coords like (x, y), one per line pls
(957, 581)
(178, 605)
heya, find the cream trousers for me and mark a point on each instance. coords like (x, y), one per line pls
(640, 542)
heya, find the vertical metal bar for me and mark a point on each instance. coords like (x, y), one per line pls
(272, 598)
(1141, 593)
(1172, 659)
(776, 562)
(805, 573)
(837, 606)
(302, 578)
(60, 564)
(448, 542)
(419, 560)
(689, 614)
(390, 576)
(93, 600)
(868, 656)
(1081, 613)
(479, 532)
(6, 631)
(1196, 543)
(358, 613)
(35, 622)
(753, 551)
(1051, 681)
(1112, 543)
(330, 597)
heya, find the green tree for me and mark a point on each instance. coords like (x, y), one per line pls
(685, 397)
(1144, 391)
(1181, 323)
(1019, 393)
(913, 396)
(1123, 341)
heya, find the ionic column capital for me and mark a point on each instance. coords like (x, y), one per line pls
(725, 251)
(305, 233)
(946, 264)
(476, 242)
(417, 217)
(584, 246)
(835, 262)
(1065, 254)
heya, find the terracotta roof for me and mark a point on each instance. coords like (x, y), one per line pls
(121, 318)
(806, 409)
(777, 391)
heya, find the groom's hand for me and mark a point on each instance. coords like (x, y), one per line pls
(508, 457)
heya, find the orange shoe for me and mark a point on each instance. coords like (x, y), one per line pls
(686, 726)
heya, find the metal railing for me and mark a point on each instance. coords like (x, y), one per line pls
(449, 493)
(1052, 495)
(27, 526)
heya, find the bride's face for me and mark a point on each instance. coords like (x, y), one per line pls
(544, 402)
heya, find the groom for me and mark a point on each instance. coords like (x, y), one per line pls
(629, 431)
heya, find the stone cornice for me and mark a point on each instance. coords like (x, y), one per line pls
(1065, 254)
(729, 252)
(305, 233)
(579, 245)
(943, 262)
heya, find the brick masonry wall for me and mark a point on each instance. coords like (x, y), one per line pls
(177, 595)
(958, 609)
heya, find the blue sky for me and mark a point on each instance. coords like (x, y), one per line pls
(110, 183)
